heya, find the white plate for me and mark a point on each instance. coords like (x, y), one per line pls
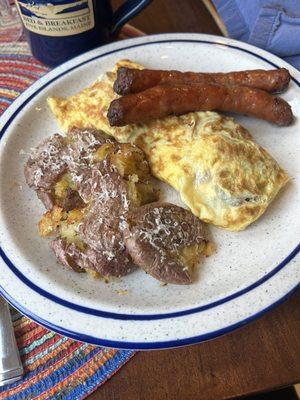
(251, 271)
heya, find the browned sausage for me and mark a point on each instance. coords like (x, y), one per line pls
(134, 80)
(160, 101)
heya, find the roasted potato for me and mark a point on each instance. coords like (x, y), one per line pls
(50, 222)
(98, 183)
(165, 240)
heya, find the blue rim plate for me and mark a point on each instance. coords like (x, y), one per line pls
(121, 324)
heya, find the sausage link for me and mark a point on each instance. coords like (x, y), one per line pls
(164, 100)
(134, 80)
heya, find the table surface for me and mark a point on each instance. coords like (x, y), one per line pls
(262, 355)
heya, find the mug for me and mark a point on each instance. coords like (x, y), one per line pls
(58, 30)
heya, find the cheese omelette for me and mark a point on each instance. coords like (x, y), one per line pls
(222, 175)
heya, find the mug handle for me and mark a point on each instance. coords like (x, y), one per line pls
(127, 11)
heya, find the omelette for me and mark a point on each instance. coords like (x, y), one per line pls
(222, 175)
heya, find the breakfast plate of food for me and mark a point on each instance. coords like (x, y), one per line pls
(150, 191)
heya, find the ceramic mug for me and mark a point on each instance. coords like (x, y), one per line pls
(58, 30)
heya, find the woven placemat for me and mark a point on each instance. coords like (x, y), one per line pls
(55, 367)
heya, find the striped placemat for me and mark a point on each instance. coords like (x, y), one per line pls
(55, 367)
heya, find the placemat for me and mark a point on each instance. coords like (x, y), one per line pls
(55, 367)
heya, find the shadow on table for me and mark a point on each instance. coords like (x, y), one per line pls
(282, 394)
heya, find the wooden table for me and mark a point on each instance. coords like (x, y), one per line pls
(261, 356)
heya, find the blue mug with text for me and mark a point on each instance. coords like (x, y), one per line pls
(58, 30)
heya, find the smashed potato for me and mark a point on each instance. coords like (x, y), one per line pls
(61, 186)
(102, 152)
(190, 255)
(165, 240)
(50, 221)
(69, 226)
(129, 160)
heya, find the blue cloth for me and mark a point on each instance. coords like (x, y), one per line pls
(273, 25)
